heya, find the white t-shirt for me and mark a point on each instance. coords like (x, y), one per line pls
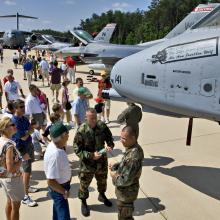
(32, 105)
(63, 67)
(56, 164)
(15, 57)
(12, 90)
(44, 65)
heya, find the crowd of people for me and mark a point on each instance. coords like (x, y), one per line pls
(26, 135)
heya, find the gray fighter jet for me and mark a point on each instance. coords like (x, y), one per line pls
(105, 55)
(178, 77)
(85, 38)
(103, 36)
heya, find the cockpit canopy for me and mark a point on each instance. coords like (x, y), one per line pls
(212, 20)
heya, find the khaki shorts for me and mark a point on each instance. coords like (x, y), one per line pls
(39, 117)
(56, 87)
(13, 187)
(45, 73)
(107, 103)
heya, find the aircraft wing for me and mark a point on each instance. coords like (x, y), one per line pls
(25, 16)
(14, 16)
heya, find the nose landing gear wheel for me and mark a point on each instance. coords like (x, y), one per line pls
(91, 72)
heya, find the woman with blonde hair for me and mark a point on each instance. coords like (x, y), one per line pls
(10, 169)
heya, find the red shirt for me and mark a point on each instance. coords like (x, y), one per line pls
(5, 79)
(103, 84)
(70, 62)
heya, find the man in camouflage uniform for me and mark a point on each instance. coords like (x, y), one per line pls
(89, 146)
(131, 116)
(126, 174)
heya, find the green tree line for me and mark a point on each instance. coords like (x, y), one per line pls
(139, 26)
(135, 27)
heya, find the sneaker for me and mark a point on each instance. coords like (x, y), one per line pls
(32, 190)
(85, 209)
(107, 121)
(29, 202)
(103, 198)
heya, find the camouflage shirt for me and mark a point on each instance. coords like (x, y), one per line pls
(88, 140)
(131, 116)
(128, 172)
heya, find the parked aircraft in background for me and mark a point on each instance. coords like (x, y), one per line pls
(105, 55)
(178, 77)
(83, 36)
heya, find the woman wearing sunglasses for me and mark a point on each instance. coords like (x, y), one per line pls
(10, 169)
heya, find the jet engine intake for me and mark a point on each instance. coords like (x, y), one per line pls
(33, 37)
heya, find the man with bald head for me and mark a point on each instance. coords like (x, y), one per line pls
(92, 142)
(126, 174)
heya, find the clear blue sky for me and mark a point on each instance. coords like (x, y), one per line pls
(61, 14)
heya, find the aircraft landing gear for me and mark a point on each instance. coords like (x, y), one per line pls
(91, 72)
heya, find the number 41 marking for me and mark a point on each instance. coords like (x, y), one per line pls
(118, 79)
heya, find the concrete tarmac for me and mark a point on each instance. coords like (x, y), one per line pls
(177, 182)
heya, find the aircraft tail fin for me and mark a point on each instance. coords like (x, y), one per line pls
(106, 33)
(191, 19)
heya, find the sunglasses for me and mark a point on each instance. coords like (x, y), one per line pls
(11, 125)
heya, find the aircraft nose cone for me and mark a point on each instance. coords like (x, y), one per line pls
(116, 74)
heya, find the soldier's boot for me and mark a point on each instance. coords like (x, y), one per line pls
(103, 198)
(84, 208)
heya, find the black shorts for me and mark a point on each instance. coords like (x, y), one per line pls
(15, 61)
(27, 164)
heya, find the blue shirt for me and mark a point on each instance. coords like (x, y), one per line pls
(22, 125)
(79, 107)
(28, 66)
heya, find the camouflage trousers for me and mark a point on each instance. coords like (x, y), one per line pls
(125, 210)
(85, 178)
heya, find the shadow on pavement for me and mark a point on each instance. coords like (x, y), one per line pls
(147, 205)
(74, 190)
(157, 161)
(38, 175)
(203, 179)
(44, 199)
(142, 206)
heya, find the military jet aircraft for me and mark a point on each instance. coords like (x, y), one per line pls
(103, 36)
(178, 77)
(18, 38)
(104, 55)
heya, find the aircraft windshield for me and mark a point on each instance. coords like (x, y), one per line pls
(212, 21)
(84, 35)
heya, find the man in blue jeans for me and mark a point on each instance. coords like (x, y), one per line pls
(58, 172)
(24, 145)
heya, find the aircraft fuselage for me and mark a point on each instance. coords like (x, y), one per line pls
(178, 76)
